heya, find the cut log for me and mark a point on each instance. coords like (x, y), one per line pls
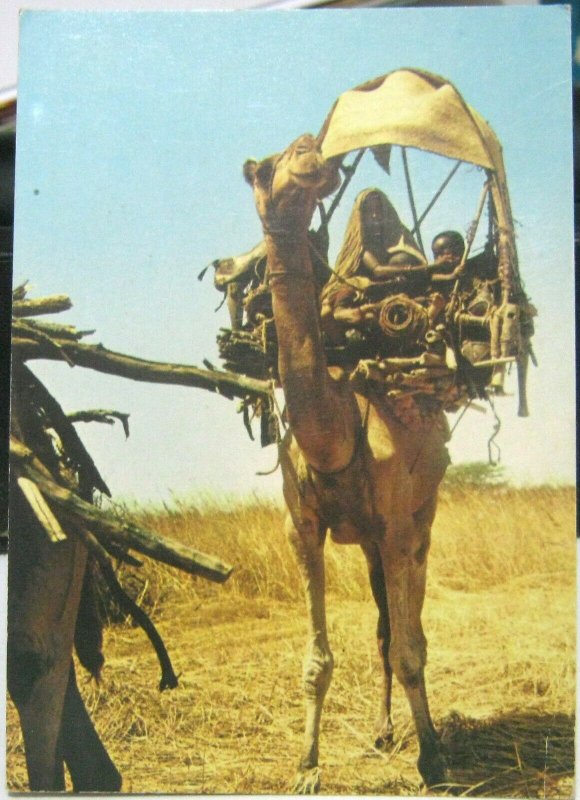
(44, 305)
(107, 527)
(41, 509)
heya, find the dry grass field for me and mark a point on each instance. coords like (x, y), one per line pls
(499, 616)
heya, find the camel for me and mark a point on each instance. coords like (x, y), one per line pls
(349, 467)
(50, 610)
(58, 536)
(46, 587)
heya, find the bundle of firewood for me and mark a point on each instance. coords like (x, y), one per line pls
(420, 357)
(56, 476)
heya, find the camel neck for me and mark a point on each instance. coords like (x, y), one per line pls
(322, 426)
(288, 254)
(294, 296)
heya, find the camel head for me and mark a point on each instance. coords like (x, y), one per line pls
(288, 185)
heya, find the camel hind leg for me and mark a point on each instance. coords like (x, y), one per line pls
(56, 725)
(385, 730)
(307, 541)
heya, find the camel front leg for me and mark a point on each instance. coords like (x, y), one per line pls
(44, 585)
(37, 691)
(307, 541)
(385, 730)
(89, 764)
(404, 562)
(418, 579)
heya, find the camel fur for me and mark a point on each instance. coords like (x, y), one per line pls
(349, 467)
(48, 606)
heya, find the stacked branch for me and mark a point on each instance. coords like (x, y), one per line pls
(56, 475)
(256, 352)
(424, 353)
(109, 529)
(32, 340)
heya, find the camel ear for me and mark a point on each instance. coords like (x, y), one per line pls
(259, 172)
(250, 168)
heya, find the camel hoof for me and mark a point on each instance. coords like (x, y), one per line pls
(307, 781)
(433, 769)
(385, 742)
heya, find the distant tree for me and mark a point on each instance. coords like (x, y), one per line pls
(475, 473)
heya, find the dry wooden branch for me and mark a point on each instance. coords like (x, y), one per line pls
(19, 292)
(108, 528)
(102, 416)
(494, 362)
(54, 329)
(23, 328)
(130, 607)
(73, 446)
(97, 357)
(41, 510)
(44, 305)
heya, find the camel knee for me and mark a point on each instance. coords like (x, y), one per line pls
(422, 551)
(28, 662)
(306, 537)
(408, 662)
(318, 668)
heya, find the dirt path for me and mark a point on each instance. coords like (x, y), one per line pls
(234, 725)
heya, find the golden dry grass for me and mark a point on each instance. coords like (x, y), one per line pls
(499, 615)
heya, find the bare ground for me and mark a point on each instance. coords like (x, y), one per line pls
(501, 672)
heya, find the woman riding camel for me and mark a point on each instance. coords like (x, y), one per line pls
(377, 248)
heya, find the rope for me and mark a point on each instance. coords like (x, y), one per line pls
(282, 423)
(490, 442)
(458, 420)
(266, 472)
(360, 436)
(279, 412)
(402, 317)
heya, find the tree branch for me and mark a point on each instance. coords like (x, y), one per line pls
(44, 305)
(103, 416)
(97, 357)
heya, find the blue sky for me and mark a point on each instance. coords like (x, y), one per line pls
(132, 131)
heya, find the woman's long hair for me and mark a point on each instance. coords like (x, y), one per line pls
(350, 256)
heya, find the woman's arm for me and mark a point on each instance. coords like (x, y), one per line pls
(380, 272)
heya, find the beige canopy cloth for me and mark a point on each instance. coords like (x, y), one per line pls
(414, 108)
